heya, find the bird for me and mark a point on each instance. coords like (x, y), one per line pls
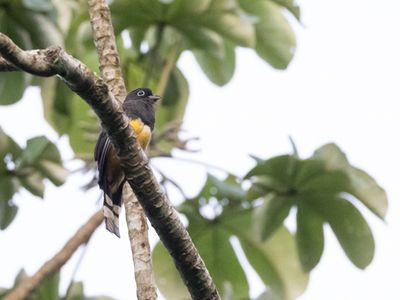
(139, 106)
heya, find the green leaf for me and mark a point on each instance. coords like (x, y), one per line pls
(275, 260)
(350, 228)
(57, 104)
(231, 26)
(7, 187)
(221, 261)
(8, 211)
(33, 182)
(367, 190)
(291, 6)
(270, 215)
(48, 289)
(204, 39)
(333, 158)
(168, 280)
(309, 237)
(222, 189)
(362, 185)
(84, 130)
(55, 172)
(13, 84)
(276, 41)
(42, 30)
(308, 169)
(179, 9)
(75, 292)
(218, 70)
(173, 105)
(34, 150)
(333, 182)
(38, 5)
(279, 168)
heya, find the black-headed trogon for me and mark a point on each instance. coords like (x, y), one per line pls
(139, 107)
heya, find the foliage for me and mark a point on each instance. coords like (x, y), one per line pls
(323, 188)
(220, 212)
(159, 31)
(225, 218)
(26, 168)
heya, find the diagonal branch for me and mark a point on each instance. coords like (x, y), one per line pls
(104, 39)
(158, 209)
(81, 237)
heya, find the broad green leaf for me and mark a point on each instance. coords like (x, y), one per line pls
(42, 30)
(309, 237)
(55, 172)
(291, 6)
(222, 189)
(279, 168)
(35, 149)
(349, 226)
(48, 289)
(8, 210)
(367, 190)
(179, 9)
(308, 169)
(221, 261)
(84, 129)
(13, 84)
(57, 104)
(75, 292)
(333, 158)
(275, 260)
(332, 182)
(362, 185)
(168, 280)
(218, 70)
(33, 182)
(38, 5)
(276, 41)
(173, 105)
(136, 13)
(204, 39)
(270, 215)
(223, 5)
(231, 26)
(7, 187)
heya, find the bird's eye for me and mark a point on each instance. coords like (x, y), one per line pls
(140, 93)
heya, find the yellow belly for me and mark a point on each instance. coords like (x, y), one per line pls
(143, 132)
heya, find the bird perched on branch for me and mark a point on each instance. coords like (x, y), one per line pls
(139, 107)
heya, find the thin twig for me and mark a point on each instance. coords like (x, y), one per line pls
(55, 263)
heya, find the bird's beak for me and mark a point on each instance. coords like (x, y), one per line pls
(154, 97)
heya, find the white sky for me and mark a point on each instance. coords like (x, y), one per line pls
(342, 86)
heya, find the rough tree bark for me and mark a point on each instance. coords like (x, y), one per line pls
(104, 39)
(162, 215)
(81, 237)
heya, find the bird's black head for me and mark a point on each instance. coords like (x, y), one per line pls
(143, 94)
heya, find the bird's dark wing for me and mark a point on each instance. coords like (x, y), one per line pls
(103, 147)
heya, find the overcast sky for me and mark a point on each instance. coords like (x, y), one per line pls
(342, 86)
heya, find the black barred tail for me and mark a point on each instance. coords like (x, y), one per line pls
(111, 215)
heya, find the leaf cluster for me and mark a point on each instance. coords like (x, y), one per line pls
(323, 189)
(26, 168)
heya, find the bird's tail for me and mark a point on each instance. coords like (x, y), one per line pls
(111, 210)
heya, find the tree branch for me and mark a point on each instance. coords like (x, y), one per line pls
(104, 39)
(157, 207)
(82, 236)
